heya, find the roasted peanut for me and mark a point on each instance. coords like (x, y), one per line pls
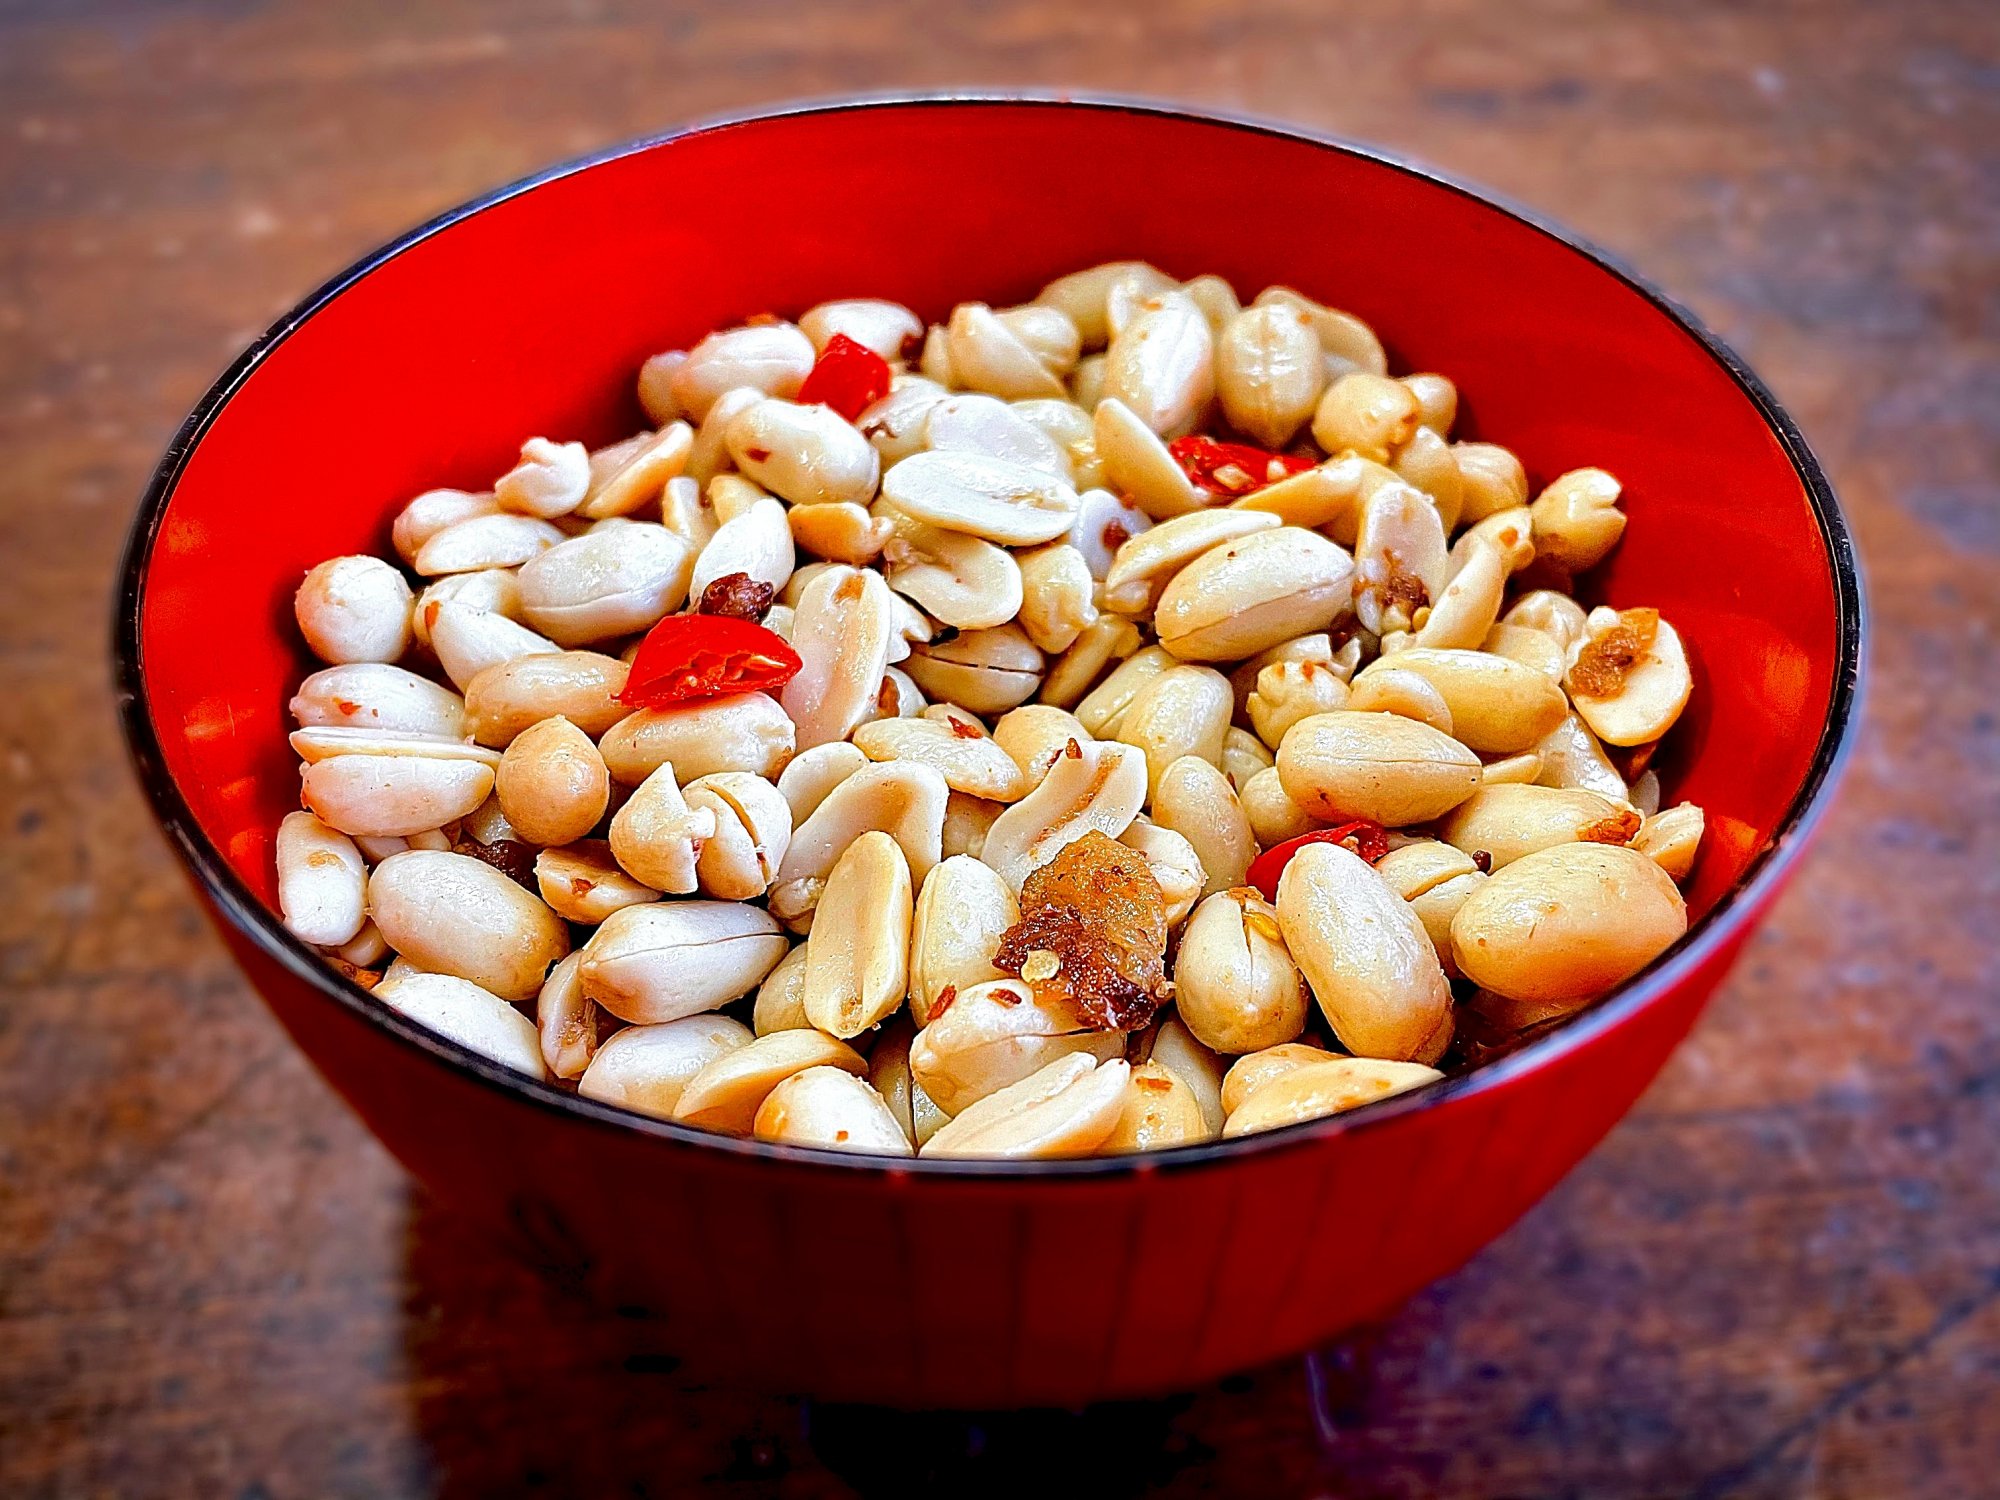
(1401, 562)
(1069, 1108)
(1567, 923)
(1082, 296)
(489, 541)
(1531, 648)
(472, 1017)
(1253, 1070)
(781, 998)
(858, 954)
(960, 916)
(1269, 372)
(433, 511)
(1435, 879)
(1288, 691)
(967, 822)
(1629, 676)
(829, 1107)
(952, 743)
(1106, 704)
(757, 543)
(989, 427)
(1671, 839)
(1492, 479)
(772, 358)
(657, 838)
(809, 455)
(1070, 679)
(1104, 523)
(887, 328)
(1033, 735)
(987, 355)
(1577, 520)
(993, 498)
(996, 1034)
(550, 480)
(668, 959)
(1175, 1049)
(1426, 463)
(354, 609)
(1496, 705)
(1142, 567)
(451, 914)
(812, 774)
(1274, 816)
(1509, 821)
(567, 1021)
(1346, 342)
(467, 640)
(1159, 1110)
(322, 881)
(1136, 463)
(987, 671)
(1248, 595)
(897, 424)
(583, 883)
(1366, 955)
(1183, 711)
(1243, 756)
(1328, 1088)
(1057, 595)
(1572, 757)
(393, 795)
(629, 476)
(967, 583)
(740, 732)
(645, 1068)
(842, 635)
(900, 798)
(1391, 770)
(582, 686)
(1162, 363)
(1235, 985)
(1174, 865)
(656, 386)
(1100, 786)
(1195, 800)
(552, 784)
(1366, 414)
(1389, 690)
(727, 1093)
(753, 829)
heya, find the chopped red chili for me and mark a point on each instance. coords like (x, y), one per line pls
(686, 658)
(847, 376)
(1233, 469)
(1369, 840)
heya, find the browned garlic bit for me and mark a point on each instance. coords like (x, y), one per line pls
(1071, 611)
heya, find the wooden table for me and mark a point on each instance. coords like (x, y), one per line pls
(1780, 1277)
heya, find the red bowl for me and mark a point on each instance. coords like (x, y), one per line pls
(924, 1282)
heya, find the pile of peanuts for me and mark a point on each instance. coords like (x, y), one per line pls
(1089, 603)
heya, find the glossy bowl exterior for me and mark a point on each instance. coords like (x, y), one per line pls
(928, 1283)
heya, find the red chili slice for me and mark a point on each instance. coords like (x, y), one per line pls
(847, 376)
(1369, 840)
(1233, 469)
(686, 658)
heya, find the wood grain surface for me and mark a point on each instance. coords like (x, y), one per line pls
(1780, 1277)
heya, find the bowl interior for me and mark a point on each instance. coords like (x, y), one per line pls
(431, 364)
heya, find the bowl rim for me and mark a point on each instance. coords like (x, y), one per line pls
(232, 897)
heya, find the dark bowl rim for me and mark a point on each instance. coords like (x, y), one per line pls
(233, 898)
